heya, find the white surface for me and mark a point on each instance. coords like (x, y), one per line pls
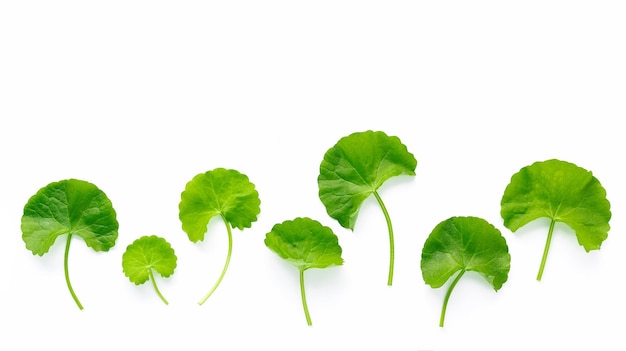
(140, 96)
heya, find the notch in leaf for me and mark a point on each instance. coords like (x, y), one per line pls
(464, 244)
(562, 192)
(355, 168)
(69, 207)
(305, 243)
(146, 255)
(221, 192)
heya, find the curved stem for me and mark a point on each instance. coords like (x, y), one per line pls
(230, 250)
(67, 271)
(302, 293)
(151, 275)
(448, 293)
(546, 249)
(391, 244)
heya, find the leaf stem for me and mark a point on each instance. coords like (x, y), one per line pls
(303, 294)
(67, 271)
(154, 284)
(546, 249)
(448, 293)
(230, 250)
(391, 244)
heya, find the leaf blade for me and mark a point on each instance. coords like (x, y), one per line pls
(355, 167)
(148, 253)
(560, 191)
(468, 244)
(220, 191)
(305, 243)
(69, 206)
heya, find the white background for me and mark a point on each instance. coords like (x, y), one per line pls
(137, 97)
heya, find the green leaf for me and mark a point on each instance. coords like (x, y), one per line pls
(72, 207)
(220, 192)
(463, 244)
(69, 207)
(223, 192)
(562, 192)
(305, 243)
(145, 254)
(355, 168)
(148, 254)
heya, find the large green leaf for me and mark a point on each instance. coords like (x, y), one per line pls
(355, 167)
(560, 191)
(72, 207)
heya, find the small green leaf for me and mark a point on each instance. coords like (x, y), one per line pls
(355, 168)
(305, 243)
(220, 192)
(562, 192)
(148, 254)
(72, 207)
(463, 244)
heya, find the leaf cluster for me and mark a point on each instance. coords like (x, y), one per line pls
(350, 172)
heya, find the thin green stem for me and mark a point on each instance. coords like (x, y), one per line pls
(546, 249)
(391, 244)
(67, 271)
(448, 293)
(156, 288)
(230, 250)
(303, 294)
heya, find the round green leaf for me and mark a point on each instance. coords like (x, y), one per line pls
(562, 192)
(465, 244)
(224, 192)
(356, 167)
(145, 254)
(305, 243)
(72, 207)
